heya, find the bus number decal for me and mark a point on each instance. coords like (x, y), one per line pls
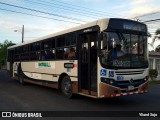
(68, 65)
(119, 77)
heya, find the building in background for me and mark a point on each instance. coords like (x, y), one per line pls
(154, 62)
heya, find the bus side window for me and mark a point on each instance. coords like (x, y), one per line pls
(59, 53)
(49, 54)
(72, 53)
(67, 50)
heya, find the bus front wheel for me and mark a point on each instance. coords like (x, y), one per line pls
(66, 87)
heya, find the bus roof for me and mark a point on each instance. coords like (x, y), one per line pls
(101, 23)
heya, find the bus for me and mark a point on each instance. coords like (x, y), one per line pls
(101, 59)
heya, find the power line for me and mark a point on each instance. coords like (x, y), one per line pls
(73, 11)
(38, 16)
(85, 8)
(74, 8)
(151, 20)
(42, 12)
(147, 14)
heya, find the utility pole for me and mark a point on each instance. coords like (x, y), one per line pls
(22, 33)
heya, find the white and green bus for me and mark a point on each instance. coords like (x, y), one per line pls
(104, 58)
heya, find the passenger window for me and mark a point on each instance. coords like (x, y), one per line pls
(53, 43)
(46, 44)
(35, 46)
(70, 39)
(47, 54)
(60, 53)
(70, 53)
(61, 42)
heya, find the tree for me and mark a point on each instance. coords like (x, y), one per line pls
(156, 37)
(153, 73)
(158, 48)
(157, 31)
(3, 51)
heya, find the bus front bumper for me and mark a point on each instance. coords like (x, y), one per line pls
(106, 90)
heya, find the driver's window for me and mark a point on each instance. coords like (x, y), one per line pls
(115, 45)
(113, 40)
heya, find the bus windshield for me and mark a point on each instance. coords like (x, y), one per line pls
(123, 50)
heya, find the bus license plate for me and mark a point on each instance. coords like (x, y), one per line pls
(130, 87)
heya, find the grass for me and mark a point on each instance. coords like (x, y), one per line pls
(154, 82)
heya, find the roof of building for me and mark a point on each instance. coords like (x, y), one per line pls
(154, 54)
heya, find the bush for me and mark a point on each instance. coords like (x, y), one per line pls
(153, 73)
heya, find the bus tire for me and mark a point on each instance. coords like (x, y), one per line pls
(66, 87)
(20, 78)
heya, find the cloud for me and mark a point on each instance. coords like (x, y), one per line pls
(94, 0)
(139, 7)
(119, 6)
(9, 26)
(130, 4)
(91, 1)
(140, 10)
(136, 2)
(33, 27)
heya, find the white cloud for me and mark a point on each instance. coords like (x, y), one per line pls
(136, 2)
(140, 10)
(94, 0)
(139, 7)
(119, 6)
(126, 5)
(34, 27)
(91, 1)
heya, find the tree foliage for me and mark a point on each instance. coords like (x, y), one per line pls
(153, 73)
(3, 51)
(157, 34)
(158, 48)
(157, 31)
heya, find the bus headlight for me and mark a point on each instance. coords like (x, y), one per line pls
(107, 80)
(111, 81)
(146, 78)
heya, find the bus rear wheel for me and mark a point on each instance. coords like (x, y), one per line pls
(20, 77)
(66, 87)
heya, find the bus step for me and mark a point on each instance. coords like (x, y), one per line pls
(87, 95)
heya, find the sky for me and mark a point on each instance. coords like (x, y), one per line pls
(58, 15)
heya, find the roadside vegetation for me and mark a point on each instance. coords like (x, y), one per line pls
(3, 51)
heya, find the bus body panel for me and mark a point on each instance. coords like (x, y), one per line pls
(127, 77)
(48, 70)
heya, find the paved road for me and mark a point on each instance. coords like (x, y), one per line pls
(15, 97)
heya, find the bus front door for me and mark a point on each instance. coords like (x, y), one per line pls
(88, 63)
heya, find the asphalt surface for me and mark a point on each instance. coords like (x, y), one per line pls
(30, 97)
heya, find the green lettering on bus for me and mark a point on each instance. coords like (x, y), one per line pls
(43, 64)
